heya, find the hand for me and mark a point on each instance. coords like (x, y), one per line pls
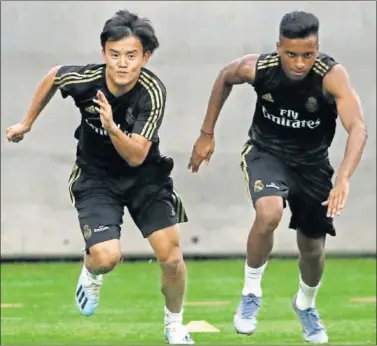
(105, 112)
(337, 198)
(17, 132)
(202, 151)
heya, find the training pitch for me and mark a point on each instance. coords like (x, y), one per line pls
(38, 308)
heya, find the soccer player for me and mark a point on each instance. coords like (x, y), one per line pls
(118, 163)
(300, 93)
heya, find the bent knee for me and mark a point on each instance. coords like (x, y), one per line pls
(166, 246)
(170, 260)
(105, 256)
(269, 211)
(312, 255)
(171, 257)
(105, 260)
(313, 251)
(311, 248)
(170, 265)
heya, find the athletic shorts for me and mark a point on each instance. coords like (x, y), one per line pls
(150, 198)
(304, 188)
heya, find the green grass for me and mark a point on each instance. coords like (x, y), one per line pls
(131, 307)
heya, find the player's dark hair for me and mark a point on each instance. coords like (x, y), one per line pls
(298, 24)
(123, 24)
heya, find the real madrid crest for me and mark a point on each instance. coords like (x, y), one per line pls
(258, 185)
(311, 104)
(130, 118)
(87, 232)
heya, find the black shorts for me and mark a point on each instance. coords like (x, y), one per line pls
(304, 188)
(150, 197)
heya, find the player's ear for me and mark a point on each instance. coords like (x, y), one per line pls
(278, 47)
(146, 57)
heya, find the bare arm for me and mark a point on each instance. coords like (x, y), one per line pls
(239, 71)
(337, 83)
(132, 148)
(45, 91)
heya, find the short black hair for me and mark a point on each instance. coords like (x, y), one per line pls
(123, 24)
(298, 24)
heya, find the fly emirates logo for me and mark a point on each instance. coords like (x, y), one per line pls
(290, 118)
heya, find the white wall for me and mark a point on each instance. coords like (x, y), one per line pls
(197, 39)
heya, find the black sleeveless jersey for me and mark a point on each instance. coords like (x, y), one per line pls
(294, 121)
(139, 111)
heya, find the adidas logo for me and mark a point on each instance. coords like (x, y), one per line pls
(91, 109)
(268, 97)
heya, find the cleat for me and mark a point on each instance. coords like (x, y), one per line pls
(177, 334)
(312, 327)
(87, 292)
(245, 319)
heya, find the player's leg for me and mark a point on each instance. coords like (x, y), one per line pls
(165, 243)
(312, 225)
(166, 246)
(311, 265)
(158, 221)
(100, 216)
(267, 185)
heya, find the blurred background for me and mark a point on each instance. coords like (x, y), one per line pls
(197, 39)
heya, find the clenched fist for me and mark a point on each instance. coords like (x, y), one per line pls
(17, 132)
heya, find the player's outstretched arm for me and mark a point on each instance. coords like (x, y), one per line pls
(337, 83)
(45, 91)
(239, 71)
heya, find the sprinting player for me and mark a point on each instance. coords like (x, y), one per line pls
(300, 93)
(118, 162)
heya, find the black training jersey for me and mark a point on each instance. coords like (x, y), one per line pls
(139, 111)
(294, 121)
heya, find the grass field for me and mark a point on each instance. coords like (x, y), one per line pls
(130, 310)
